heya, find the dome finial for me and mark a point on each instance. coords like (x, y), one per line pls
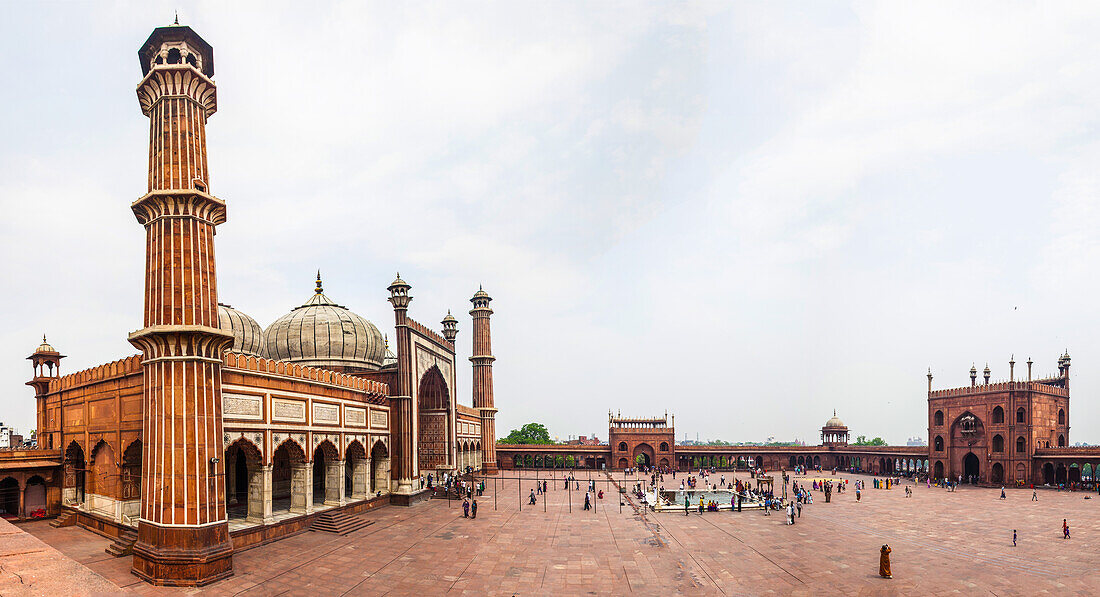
(177, 22)
(319, 289)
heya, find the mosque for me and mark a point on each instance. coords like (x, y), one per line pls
(221, 434)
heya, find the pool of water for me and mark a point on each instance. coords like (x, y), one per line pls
(672, 500)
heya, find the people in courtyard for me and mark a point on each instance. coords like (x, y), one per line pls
(1013, 537)
(1003, 492)
(687, 506)
(1065, 529)
(1034, 494)
(531, 499)
(473, 509)
(587, 501)
(465, 508)
(884, 562)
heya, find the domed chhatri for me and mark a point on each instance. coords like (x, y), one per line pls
(248, 336)
(835, 422)
(45, 347)
(321, 333)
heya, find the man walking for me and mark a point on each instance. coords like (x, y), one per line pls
(1013, 537)
(800, 509)
(687, 506)
(1065, 529)
(587, 501)
(465, 508)
(1034, 495)
(1002, 492)
(473, 509)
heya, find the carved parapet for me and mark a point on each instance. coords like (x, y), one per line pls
(126, 366)
(191, 203)
(247, 362)
(177, 80)
(423, 330)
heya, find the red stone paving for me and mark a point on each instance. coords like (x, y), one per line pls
(30, 567)
(943, 543)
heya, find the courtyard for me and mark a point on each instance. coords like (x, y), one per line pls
(943, 543)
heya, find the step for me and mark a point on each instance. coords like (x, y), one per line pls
(65, 519)
(339, 523)
(123, 545)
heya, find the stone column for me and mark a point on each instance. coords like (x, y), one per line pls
(301, 487)
(334, 483)
(360, 471)
(267, 491)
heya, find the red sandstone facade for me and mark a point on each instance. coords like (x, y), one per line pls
(995, 432)
(221, 435)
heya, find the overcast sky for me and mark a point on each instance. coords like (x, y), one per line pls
(744, 214)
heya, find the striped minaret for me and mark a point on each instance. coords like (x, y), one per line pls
(482, 360)
(183, 533)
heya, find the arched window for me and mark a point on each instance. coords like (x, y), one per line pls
(939, 417)
(1061, 416)
(939, 443)
(1061, 441)
(998, 416)
(1020, 415)
(664, 446)
(191, 60)
(998, 443)
(174, 56)
(622, 446)
(1021, 447)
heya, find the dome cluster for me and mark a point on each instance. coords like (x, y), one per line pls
(319, 333)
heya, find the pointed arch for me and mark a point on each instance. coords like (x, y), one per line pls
(433, 399)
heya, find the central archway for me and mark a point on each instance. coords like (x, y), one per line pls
(433, 401)
(643, 455)
(971, 468)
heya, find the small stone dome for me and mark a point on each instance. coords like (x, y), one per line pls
(248, 336)
(45, 346)
(834, 422)
(321, 333)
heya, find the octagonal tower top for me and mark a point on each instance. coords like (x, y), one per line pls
(176, 44)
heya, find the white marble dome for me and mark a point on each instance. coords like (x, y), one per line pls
(321, 333)
(248, 336)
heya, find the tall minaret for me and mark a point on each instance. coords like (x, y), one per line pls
(404, 465)
(183, 533)
(482, 359)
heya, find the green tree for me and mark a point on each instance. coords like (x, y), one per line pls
(862, 440)
(531, 433)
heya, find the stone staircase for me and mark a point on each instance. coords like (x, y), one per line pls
(66, 519)
(338, 522)
(123, 545)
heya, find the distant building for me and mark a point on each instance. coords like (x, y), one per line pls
(916, 441)
(583, 440)
(9, 438)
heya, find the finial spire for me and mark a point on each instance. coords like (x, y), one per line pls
(319, 289)
(177, 22)
(43, 338)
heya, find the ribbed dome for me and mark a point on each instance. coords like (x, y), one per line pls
(834, 422)
(321, 333)
(45, 346)
(248, 336)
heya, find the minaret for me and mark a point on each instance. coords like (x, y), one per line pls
(1012, 368)
(183, 533)
(482, 359)
(450, 328)
(973, 376)
(929, 380)
(1065, 369)
(986, 373)
(403, 427)
(46, 362)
